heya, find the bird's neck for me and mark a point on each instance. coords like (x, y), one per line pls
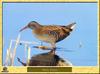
(37, 26)
(37, 31)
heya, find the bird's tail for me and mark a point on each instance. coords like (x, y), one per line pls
(71, 26)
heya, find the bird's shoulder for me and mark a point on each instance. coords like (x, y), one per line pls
(52, 27)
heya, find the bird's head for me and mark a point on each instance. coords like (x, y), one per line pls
(31, 25)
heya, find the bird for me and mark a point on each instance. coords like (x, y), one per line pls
(50, 33)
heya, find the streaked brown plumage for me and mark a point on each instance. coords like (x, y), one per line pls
(50, 33)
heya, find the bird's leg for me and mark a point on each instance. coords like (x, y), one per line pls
(53, 47)
(41, 43)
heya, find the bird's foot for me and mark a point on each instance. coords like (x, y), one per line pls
(43, 47)
(53, 51)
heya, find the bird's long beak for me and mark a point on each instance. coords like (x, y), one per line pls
(23, 28)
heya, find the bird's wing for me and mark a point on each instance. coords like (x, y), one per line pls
(57, 32)
(51, 30)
